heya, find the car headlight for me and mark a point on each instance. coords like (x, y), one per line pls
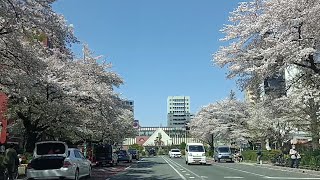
(204, 154)
(190, 154)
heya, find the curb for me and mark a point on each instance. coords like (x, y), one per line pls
(312, 172)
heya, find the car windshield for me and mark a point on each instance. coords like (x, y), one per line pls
(175, 150)
(224, 149)
(132, 151)
(196, 148)
(122, 152)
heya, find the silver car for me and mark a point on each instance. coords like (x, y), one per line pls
(223, 153)
(53, 159)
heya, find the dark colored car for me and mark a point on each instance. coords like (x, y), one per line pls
(134, 153)
(124, 155)
(152, 152)
(104, 155)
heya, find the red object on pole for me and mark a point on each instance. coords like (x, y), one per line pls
(3, 120)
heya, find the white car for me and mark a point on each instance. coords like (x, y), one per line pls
(195, 153)
(173, 153)
(53, 159)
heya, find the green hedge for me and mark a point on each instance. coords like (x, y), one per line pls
(251, 155)
(310, 158)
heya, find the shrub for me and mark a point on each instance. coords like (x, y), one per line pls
(183, 152)
(209, 153)
(143, 153)
(137, 147)
(161, 152)
(183, 145)
(251, 155)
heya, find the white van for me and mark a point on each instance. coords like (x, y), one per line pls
(195, 153)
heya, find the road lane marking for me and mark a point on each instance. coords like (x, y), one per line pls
(184, 171)
(191, 177)
(188, 174)
(241, 170)
(127, 167)
(233, 177)
(297, 178)
(140, 168)
(175, 169)
(204, 177)
(180, 166)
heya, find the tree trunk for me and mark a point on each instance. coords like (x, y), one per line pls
(314, 124)
(314, 135)
(31, 139)
(32, 133)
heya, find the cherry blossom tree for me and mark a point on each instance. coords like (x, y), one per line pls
(268, 37)
(221, 121)
(105, 117)
(52, 94)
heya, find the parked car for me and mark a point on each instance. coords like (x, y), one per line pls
(135, 154)
(124, 155)
(152, 152)
(105, 154)
(223, 153)
(53, 159)
(175, 153)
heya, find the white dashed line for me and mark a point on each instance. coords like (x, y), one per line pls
(127, 167)
(175, 169)
(297, 178)
(191, 177)
(188, 174)
(233, 177)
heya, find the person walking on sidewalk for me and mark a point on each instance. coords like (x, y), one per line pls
(293, 154)
(259, 155)
(12, 161)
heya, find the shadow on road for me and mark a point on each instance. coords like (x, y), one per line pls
(145, 170)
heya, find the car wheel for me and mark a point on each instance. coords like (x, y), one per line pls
(76, 175)
(219, 160)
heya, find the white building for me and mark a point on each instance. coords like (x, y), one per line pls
(178, 111)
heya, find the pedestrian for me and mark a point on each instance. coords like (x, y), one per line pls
(259, 155)
(12, 161)
(293, 156)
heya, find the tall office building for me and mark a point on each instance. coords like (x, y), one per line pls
(129, 104)
(178, 111)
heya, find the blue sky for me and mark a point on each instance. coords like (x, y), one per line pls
(160, 48)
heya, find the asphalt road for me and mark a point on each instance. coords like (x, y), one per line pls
(175, 169)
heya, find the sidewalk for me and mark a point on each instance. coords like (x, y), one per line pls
(271, 166)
